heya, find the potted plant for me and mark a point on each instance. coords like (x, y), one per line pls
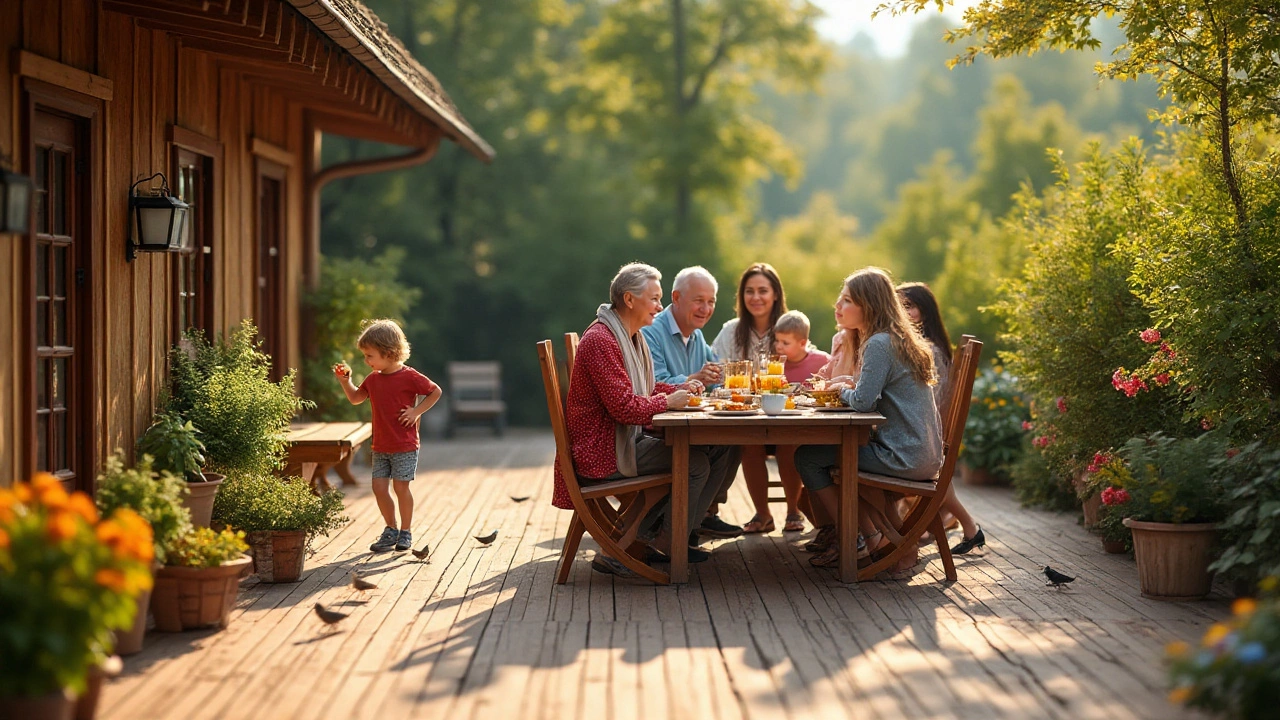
(224, 389)
(994, 430)
(1116, 537)
(157, 498)
(280, 518)
(1232, 674)
(68, 578)
(1174, 501)
(197, 585)
(173, 446)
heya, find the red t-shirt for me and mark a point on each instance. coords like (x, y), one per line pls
(803, 370)
(389, 394)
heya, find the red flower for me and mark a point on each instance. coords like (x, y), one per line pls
(1099, 459)
(1042, 441)
(1206, 424)
(1117, 379)
(1122, 496)
(1164, 348)
(1162, 379)
(1027, 425)
(1061, 402)
(1232, 452)
(1150, 336)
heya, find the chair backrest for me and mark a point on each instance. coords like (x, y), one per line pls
(559, 427)
(955, 364)
(570, 351)
(963, 370)
(477, 380)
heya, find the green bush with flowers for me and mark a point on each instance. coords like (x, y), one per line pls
(993, 434)
(1158, 478)
(157, 497)
(1248, 535)
(261, 503)
(68, 578)
(1236, 670)
(207, 548)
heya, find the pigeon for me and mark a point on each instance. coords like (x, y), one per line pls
(1056, 578)
(424, 553)
(519, 499)
(360, 583)
(486, 539)
(329, 617)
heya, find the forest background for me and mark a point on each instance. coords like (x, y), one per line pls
(680, 132)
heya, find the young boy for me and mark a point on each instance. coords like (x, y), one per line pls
(392, 389)
(791, 339)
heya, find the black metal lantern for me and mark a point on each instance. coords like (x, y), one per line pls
(15, 202)
(158, 222)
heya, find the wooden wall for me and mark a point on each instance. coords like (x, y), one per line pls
(156, 83)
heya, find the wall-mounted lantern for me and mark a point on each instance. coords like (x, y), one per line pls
(15, 202)
(158, 221)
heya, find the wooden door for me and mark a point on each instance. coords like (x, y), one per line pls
(269, 302)
(63, 315)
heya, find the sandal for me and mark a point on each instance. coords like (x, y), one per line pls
(795, 523)
(758, 524)
(825, 538)
(827, 558)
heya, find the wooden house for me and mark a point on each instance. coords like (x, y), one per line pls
(229, 99)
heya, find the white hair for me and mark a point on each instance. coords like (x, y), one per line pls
(692, 273)
(631, 278)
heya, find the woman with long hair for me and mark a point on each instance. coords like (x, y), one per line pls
(922, 308)
(895, 379)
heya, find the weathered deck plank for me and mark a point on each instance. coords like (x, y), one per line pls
(483, 631)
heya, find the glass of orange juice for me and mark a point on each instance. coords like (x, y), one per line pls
(777, 365)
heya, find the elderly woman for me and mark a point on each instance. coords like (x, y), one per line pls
(613, 396)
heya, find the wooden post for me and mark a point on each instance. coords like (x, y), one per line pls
(849, 503)
(679, 503)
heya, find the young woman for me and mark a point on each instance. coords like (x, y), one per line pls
(922, 309)
(761, 302)
(895, 379)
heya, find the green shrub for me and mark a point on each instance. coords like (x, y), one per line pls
(224, 388)
(1035, 484)
(1248, 535)
(993, 433)
(205, 547)
(173, 447)
(350, 290)
(156, 496)
(258, 503)
(1157, 478)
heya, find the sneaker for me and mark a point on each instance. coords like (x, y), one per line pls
(698, 555)
(611, 566)
(405, 541)
(386, 541)
(713, 526)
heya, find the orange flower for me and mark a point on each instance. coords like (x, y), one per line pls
(63, 526)
(112, 579)
(4, 539)
(128, 535)
(1244, 606)
(1215, 634)
(1179, 695)
(7, 501)
(22, 493)
(1177, 648)
(81, 505)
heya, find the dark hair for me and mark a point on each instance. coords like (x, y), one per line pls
(742, 335)
(931, 326)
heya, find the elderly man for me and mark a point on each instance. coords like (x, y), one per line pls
(681, 354)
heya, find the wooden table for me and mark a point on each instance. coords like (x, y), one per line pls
(316, 447)
(846, 429)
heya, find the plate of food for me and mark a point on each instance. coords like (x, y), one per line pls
(687, 408)
(727, 412)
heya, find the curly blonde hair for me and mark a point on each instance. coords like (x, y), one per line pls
(386, 337)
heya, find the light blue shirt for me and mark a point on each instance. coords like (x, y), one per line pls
(673, 359)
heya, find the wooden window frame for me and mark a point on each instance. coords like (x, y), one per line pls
(269, 168)
(209, 151)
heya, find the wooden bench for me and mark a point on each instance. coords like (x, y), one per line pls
(475, 394)
(317, 446)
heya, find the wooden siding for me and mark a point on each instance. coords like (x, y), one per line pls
(158, 82)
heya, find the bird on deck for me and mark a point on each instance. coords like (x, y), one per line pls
(360, 583)
(329, 617)
(424, 553)
(1056, 579)
(486, 539)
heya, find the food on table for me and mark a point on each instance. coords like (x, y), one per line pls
(695, 401)
(791, 403)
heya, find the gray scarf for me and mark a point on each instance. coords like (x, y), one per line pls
(639, 364)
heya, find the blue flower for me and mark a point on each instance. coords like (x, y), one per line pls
(1251, 653)
(1204, 659)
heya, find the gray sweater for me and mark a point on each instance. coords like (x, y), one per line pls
(908, 444)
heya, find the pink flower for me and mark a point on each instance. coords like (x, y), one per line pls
(1122, 496)
(1117, 379)
(1164, 348)
(1099, 459)
(1162, 379)
(1115, 496)
(1206, 424)
(1150, 335)
(1026, 425)
(1061, 402)
(1232, 452)
(1041, 441)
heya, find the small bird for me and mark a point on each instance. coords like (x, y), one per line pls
(360, 583)
(424, 553)
(519, 499)
(329, 617)
(1056, 578)
(486, 539)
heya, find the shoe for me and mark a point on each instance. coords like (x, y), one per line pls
(827, 558)
(758, 524)
(698, 555)
(825, 538)
(713, 526)
(695, 540)
(610, 566)
(386, 541)
(652, 556)
(964, 546)
(405, 541)
(795, 523)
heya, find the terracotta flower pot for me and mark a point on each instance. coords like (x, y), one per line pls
(185, 598)
(129, 642)
(278, 555)
(54, 706)
(87, 703)
(200, 496)
(1091, 508)
(977, 476)
(1173, 559)
(1113, 547)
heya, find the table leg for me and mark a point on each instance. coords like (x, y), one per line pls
(309, 474)
(343, 468)
(849, 504)
(679, 503)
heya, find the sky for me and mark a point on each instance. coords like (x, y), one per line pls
(846, 18)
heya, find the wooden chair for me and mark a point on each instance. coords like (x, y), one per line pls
(925, 515)
(475, 393)
(614, 529)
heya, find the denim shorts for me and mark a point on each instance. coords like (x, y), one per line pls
(397, 466)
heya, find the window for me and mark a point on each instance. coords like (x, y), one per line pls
(193, 268)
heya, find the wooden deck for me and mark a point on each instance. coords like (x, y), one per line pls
(483, 632)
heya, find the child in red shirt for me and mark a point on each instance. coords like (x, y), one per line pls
(392, 390)
(791, 340)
